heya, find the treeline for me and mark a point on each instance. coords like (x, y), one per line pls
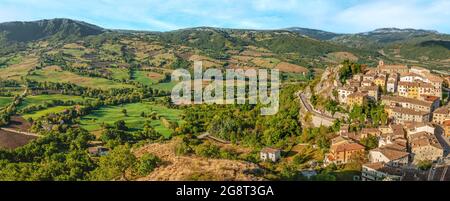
(73, 89)
(9, 83)
(52, 103)
(10, 110)
(8, 86)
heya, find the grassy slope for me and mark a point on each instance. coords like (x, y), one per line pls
(41, 99)
(16, 71)
(119, 73)
(52, 75)
(44, 112)
(4, 101)
(142, 77)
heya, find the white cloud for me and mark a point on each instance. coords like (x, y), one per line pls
(401, 14)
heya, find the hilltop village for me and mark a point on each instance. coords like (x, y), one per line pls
(414, 135)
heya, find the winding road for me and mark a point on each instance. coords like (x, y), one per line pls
(318, 118)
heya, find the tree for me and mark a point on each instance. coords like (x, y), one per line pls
(124, 111)
(349, 69)
(325, 177)
(120, 125)
(370, 142)
(332, 106)
(148, 132)
(147, 163)
(424, 165)
(208, 150)
(182, 148)
(289, 172)
(115, 165)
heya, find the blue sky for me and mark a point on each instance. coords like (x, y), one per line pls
(343, 16)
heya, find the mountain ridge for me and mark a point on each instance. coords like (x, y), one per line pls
(294, 29)
(23, 31)
(419, 45)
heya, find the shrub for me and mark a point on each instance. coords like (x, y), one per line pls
(147, 163)
(208, 150)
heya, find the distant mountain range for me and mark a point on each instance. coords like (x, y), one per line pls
(413, 45)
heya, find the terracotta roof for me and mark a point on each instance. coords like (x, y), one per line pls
(409, 111)
(411, 126)
(447, 122)
(416, 84)
(393, 76)
(419, 68)
(371, 73)
(397, 129)
(434, 78)
(353, 136)
(430, 98)
(370, 131)
(369, 88)
(409, 74)
(394, 66)
(424, 142)
(392, 151)
(424, 139)
(357, 94)
(348, 147)
(381, 167)
(401, 99)
(338, 140)
(442, 110)
(347, 88)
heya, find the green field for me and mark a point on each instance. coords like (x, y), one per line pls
(74, 52)
(42, 99)
(55, 75)
(4, 101)
(164, 86)
(40, 113)
(6, 61)
(293, 77)
(119, 73)
(143, 78)
(133, 119)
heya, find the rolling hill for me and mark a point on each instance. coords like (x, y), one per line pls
(300, 46)
(43, 29)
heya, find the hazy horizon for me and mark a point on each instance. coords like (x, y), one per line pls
(343, 16)
(261, 29)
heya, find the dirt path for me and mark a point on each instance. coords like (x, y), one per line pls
(20, 132)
